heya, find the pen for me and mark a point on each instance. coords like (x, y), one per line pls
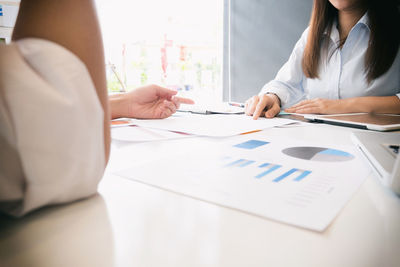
(123, 88)
(240, 105)
(197, 111)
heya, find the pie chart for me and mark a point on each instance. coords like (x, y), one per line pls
(317, 154)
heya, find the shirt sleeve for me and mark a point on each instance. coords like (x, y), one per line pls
(288, 81)
(51, 136)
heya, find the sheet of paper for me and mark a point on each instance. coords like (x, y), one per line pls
(303, 184)
(216, 108)
(140, 134)
(212, 125)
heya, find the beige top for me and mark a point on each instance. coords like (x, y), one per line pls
(51, 127)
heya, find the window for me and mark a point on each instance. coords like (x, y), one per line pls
(176, 43)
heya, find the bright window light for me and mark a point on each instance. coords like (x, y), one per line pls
(175, 43)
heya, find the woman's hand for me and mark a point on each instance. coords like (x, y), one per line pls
(318, 106)
(147, 102)
(367, 104)
(267, 105)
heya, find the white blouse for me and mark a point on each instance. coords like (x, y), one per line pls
(341, 71)
(51, 127)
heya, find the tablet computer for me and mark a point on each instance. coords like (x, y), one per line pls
(370, 121)
(381, 151)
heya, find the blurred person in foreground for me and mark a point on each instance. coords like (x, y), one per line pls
(54, 108)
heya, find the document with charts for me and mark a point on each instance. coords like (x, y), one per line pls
(298, 183)
(211, 125)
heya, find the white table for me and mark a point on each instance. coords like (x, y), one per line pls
(132, 224)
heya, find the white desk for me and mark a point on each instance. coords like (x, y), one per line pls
(132, 224)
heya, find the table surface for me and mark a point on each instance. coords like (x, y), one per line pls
(132, 224)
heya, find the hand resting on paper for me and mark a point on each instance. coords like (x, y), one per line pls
(147, 102)
(267, 105)
(368, 104)
(319, 106)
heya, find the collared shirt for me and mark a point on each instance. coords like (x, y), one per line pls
(341, 71)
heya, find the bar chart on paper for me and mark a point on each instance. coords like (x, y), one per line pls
(293, 183)
(267, 170)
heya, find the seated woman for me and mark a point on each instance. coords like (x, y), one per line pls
(346, 61)
(54, 114)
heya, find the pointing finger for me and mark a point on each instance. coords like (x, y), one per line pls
(253, 104)
(182, 100)
(260, 106)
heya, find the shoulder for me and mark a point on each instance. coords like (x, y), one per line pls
(48, 103)
(305, 34)
(48, 56)
(301, 43)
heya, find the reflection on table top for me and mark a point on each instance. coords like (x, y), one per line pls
(132, 224)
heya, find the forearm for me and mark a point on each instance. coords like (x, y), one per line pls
(72, 24)
(118, 106)
(371, 104)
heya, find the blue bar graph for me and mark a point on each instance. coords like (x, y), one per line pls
(263, 165)
(292, 174)
(246, 163)
(302, 175)
(251, 144)
(236, 162)
(283, 176)
(273, 168)
(240, 163)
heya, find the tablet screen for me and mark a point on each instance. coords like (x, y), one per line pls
(376, 122)
(366, 118)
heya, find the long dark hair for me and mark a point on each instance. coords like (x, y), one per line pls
(384, 23)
